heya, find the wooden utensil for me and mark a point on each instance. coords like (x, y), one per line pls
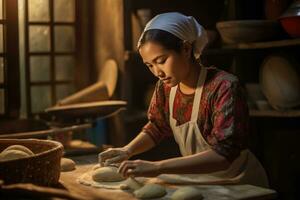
(99, 108)
(31, 190)
(95, 92)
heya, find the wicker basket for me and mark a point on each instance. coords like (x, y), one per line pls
(42, 169)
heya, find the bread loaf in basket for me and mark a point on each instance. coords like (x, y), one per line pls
(43, 168)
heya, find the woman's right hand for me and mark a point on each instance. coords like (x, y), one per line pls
(113, 155)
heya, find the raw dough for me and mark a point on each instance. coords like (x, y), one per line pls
(124, 186)
(66, 165)
(20, 148)
(12, 155)
(131, 184)
(107, 174)
(187, 193)
(96, 166)
(150, 190)
(86, 179)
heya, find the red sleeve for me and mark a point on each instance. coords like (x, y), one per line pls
(158, 114)
(230, 120)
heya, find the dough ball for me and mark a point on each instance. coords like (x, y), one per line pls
(20, 148)
(131, 184)
(124, 186)
(150, 191)
(12, 155)
(187, 193)
(96, 166)
(107, 174)
(66, 165)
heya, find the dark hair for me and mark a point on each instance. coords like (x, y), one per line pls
(164, 38)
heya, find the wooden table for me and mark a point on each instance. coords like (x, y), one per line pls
(210, 192)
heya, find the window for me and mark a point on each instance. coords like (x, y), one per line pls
(40, 44)
(50, 51)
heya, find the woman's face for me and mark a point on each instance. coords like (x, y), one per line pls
(167, 65)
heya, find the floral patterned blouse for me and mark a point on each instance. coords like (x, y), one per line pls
(223, 113)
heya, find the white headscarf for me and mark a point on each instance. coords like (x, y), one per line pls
(184, 27)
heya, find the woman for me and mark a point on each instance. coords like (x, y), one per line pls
(203, 108)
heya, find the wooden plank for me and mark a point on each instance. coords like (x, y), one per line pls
(263, 45)
(274, 113)
(210, 192)
(11, 32)
(23, 190)
(53, 131)
(83, 164)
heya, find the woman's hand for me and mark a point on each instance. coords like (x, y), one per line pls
(113, 155)
(141, 143)
(139, 168)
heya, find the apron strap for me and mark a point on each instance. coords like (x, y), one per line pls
(171, 103)
(198, 94)
(197, 97)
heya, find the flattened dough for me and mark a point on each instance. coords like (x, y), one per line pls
(187, 193)
(20, 148)
(12, 155)
(67, 164)
(150, 190)
(107, 174)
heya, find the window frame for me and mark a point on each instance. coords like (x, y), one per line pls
(84, 37)
(52, 53)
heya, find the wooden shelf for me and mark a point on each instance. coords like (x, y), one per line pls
(218, 51)
(274, 113)
(263, 45)
(253, 113)
(232, 48)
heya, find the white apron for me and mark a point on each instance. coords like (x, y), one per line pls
(245, 169)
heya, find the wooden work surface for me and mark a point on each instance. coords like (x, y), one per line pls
(210, 192)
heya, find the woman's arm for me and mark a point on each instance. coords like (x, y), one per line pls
(205, 162)
(141, 143)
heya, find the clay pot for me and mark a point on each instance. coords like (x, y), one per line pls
(274, 8)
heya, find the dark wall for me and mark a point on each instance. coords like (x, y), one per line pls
(206, 12)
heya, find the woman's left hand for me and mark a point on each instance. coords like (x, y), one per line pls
(139, 168)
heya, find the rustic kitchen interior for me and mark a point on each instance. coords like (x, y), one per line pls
(72, 84)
